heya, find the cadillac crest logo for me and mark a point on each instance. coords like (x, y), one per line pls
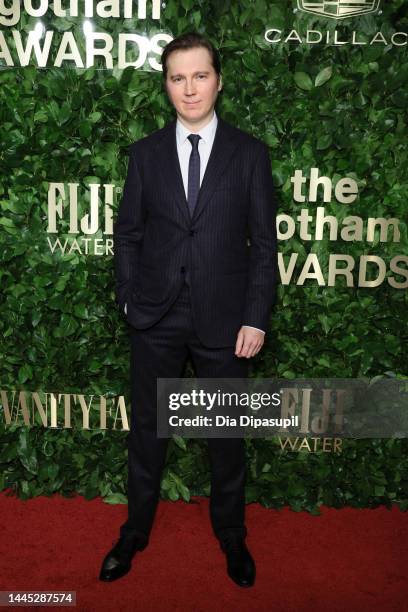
(339, 9)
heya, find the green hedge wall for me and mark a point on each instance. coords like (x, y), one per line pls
(342, 109)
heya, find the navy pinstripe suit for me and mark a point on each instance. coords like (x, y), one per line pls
(232, 282)
(155, 241)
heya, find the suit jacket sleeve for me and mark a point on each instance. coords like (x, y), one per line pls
(261, 289)
(128, 232)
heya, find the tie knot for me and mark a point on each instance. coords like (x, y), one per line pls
(194, 138)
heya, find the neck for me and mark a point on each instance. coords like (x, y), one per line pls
(198, 125)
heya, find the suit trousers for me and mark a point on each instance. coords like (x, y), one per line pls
(161, 351)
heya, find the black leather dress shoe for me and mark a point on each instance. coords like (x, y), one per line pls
(240, 564)
(118, 561)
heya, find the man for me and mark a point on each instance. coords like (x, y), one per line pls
(191, 283)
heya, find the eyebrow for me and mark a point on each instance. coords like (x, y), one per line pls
(197, 72)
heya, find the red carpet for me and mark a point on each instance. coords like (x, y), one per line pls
(347, 559)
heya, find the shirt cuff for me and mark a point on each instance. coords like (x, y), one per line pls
(261, 330)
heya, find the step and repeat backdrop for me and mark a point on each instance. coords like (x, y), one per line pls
(325, 85)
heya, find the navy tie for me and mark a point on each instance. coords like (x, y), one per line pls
(193, 173)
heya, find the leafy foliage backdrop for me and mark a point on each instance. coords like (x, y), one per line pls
(342, 109)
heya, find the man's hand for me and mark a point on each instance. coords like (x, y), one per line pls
(249, 342)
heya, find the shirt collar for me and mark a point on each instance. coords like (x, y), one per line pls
(207, 132)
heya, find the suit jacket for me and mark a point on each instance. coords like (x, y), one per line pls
(228, 246)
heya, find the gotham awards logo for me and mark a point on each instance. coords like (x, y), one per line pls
(339, 9)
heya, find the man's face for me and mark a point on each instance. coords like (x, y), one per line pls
(192, 84)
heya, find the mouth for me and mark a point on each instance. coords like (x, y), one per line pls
(192, 103)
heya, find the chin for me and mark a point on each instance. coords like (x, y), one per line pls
(197, 111)
(193, 112)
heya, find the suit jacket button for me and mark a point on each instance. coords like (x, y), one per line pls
(182, 269)
(192, 232)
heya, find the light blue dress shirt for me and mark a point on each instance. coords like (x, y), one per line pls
(205, 144)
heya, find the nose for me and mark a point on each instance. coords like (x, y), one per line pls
(189, 87)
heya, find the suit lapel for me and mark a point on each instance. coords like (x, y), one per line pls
(223, 147)
(169, 165)
(168, 162)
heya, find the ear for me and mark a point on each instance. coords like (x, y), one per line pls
(220, 83)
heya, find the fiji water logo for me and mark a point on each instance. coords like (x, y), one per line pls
(339, 9)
